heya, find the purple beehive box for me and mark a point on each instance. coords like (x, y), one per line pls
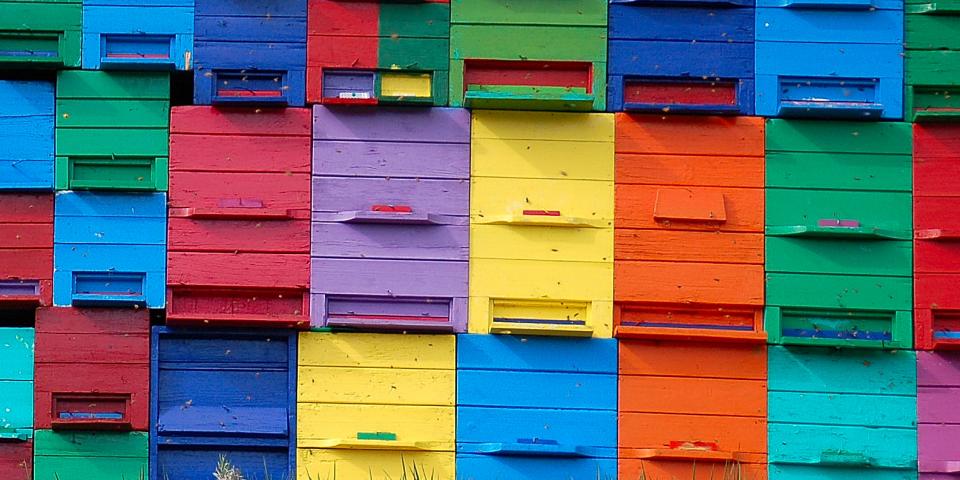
(938, 394)
(391, 218)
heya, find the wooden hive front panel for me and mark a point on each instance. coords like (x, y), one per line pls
(378, 402)
(92, 369)
(692, 410)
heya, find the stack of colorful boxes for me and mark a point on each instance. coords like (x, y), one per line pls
(479, 240)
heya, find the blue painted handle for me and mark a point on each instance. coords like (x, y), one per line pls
(531, 449)
(715, 3)
(830, 4)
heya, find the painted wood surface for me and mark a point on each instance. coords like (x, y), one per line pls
(112, 130)
(935, 254)
(26, 249)
(26, 130)
(554, 412)
(92, 358)
(232, 212)
(692, 410)
(817, 61)
(100, 258)
(689, 233)
(220, 392)
(659, 62)
(90, 455)
(375, 42)
(380, 220)
(155, 34)
(833, 410)
(375, 402)
(16, 395)
(937, 389)
(556, 275)
(16, 460)
(237, 44)
(25, 50)
(838, 247)
(529, 40)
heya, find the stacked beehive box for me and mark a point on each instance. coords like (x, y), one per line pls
(478, 240)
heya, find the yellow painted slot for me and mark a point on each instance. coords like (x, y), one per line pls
(542, 243)
(561, 160)
(411, 85)
(545, 290)
(322, 425)
(492, 199)
(589, 127)
(378, 350)
(388, 386)
(342, 464)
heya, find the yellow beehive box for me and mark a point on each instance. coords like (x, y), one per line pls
(541, 223)
(381, 403)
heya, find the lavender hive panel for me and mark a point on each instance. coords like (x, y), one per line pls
(938, 393)
(390, 218)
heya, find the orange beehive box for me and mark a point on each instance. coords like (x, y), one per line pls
(688, 251)
(692, 411)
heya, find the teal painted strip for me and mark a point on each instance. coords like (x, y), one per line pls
(810, 369)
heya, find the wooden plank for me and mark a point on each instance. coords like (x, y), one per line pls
(661, 395)
(694, 360)
(730, 433)
(501, 125)
(232, 269)
(410, 423)
(688, 246)
(544, 354)
(542, 159)
(366, 350)
(689, 282)
(375, 386)
(707, 170)
(691, 135)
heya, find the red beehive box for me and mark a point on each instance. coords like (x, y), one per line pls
(92, 369)
(26, 249)
(688, 248)
(936, 201)
(239, 217)
(16, 460)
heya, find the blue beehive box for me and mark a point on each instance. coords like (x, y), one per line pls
(536, 408)
(830, 59)
(229, 393)
(250, 52)
(26, 134)
(836, 414)
(137, 34)
(679, 56)
(109, 249)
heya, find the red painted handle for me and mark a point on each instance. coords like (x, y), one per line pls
(542, 213)
(384, 208)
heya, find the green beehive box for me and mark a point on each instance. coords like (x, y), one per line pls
(90, 455)
(528, 55)
(112, 130)
(43, 34)
(933, 60)
(415, 37)
(839, 249)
